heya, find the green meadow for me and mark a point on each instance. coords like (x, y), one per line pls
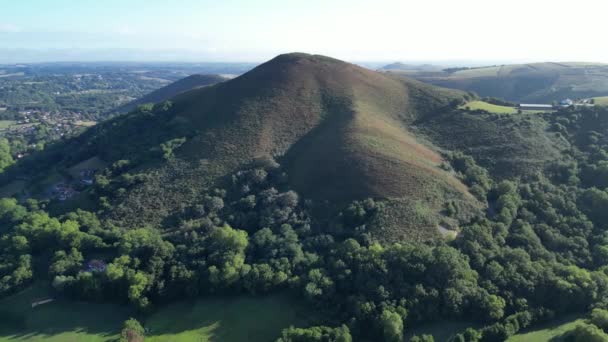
(548, 332)
(602, 101)
(488, 107)
(215, 319)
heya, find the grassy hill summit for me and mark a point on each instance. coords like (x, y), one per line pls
(342, 129)
(173, 89)
(527, 83)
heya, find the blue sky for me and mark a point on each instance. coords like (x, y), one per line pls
(255, 30)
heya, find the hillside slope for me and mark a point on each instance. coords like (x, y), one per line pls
(173, 89)
(536, 82)
(340, 131)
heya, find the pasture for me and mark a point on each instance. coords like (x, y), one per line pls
(488, 107)
(601, 101)
(228, 319)
(4, 124)
(548, 332)
(85, 123)
(256, 319)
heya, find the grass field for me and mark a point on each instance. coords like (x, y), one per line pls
(59, 321)
(6, 123)
(488, 107)
(602, 101)
(548, 332)
(85, 123)
(225, 320)
(256, 319)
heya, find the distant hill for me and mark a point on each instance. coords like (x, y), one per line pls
(537, 82)
(398, 66)
(173, 89)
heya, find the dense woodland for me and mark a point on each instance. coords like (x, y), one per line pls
(539, 251)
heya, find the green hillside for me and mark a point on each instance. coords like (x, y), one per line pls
(488, 107)
(525, 83)
(552, 331)
(341, 131)
(379, 200)
(509, 145)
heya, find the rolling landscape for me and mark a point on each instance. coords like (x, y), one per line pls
(522, 83)
(174, 174)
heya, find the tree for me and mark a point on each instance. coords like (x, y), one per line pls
(132, 331)
(494, 306)
(587, 333)
(227, 255)
(6, 159)
(599, 317)
(316, 334)
(392, 326)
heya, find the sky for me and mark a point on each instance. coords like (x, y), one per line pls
(256, 30)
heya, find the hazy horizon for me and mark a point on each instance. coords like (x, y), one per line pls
(442, 32)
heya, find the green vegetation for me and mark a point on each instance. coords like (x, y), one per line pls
(548, 332)
(441, 331)
(488, 107)
(60, 320)
(226, 319)
(324, 191)
(7, 123)
(508, 145)
(210, 319)
(342, 140)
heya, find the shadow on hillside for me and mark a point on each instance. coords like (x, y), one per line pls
(62, 317)
(227, 319)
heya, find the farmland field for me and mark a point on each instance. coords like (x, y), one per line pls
(85, 123)
(549, 332)
(6, 123)
(602, 101)
(488, 107)
(214, 319)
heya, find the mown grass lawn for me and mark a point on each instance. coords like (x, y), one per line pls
(256, 319)
(549, 331)
(488, 107)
